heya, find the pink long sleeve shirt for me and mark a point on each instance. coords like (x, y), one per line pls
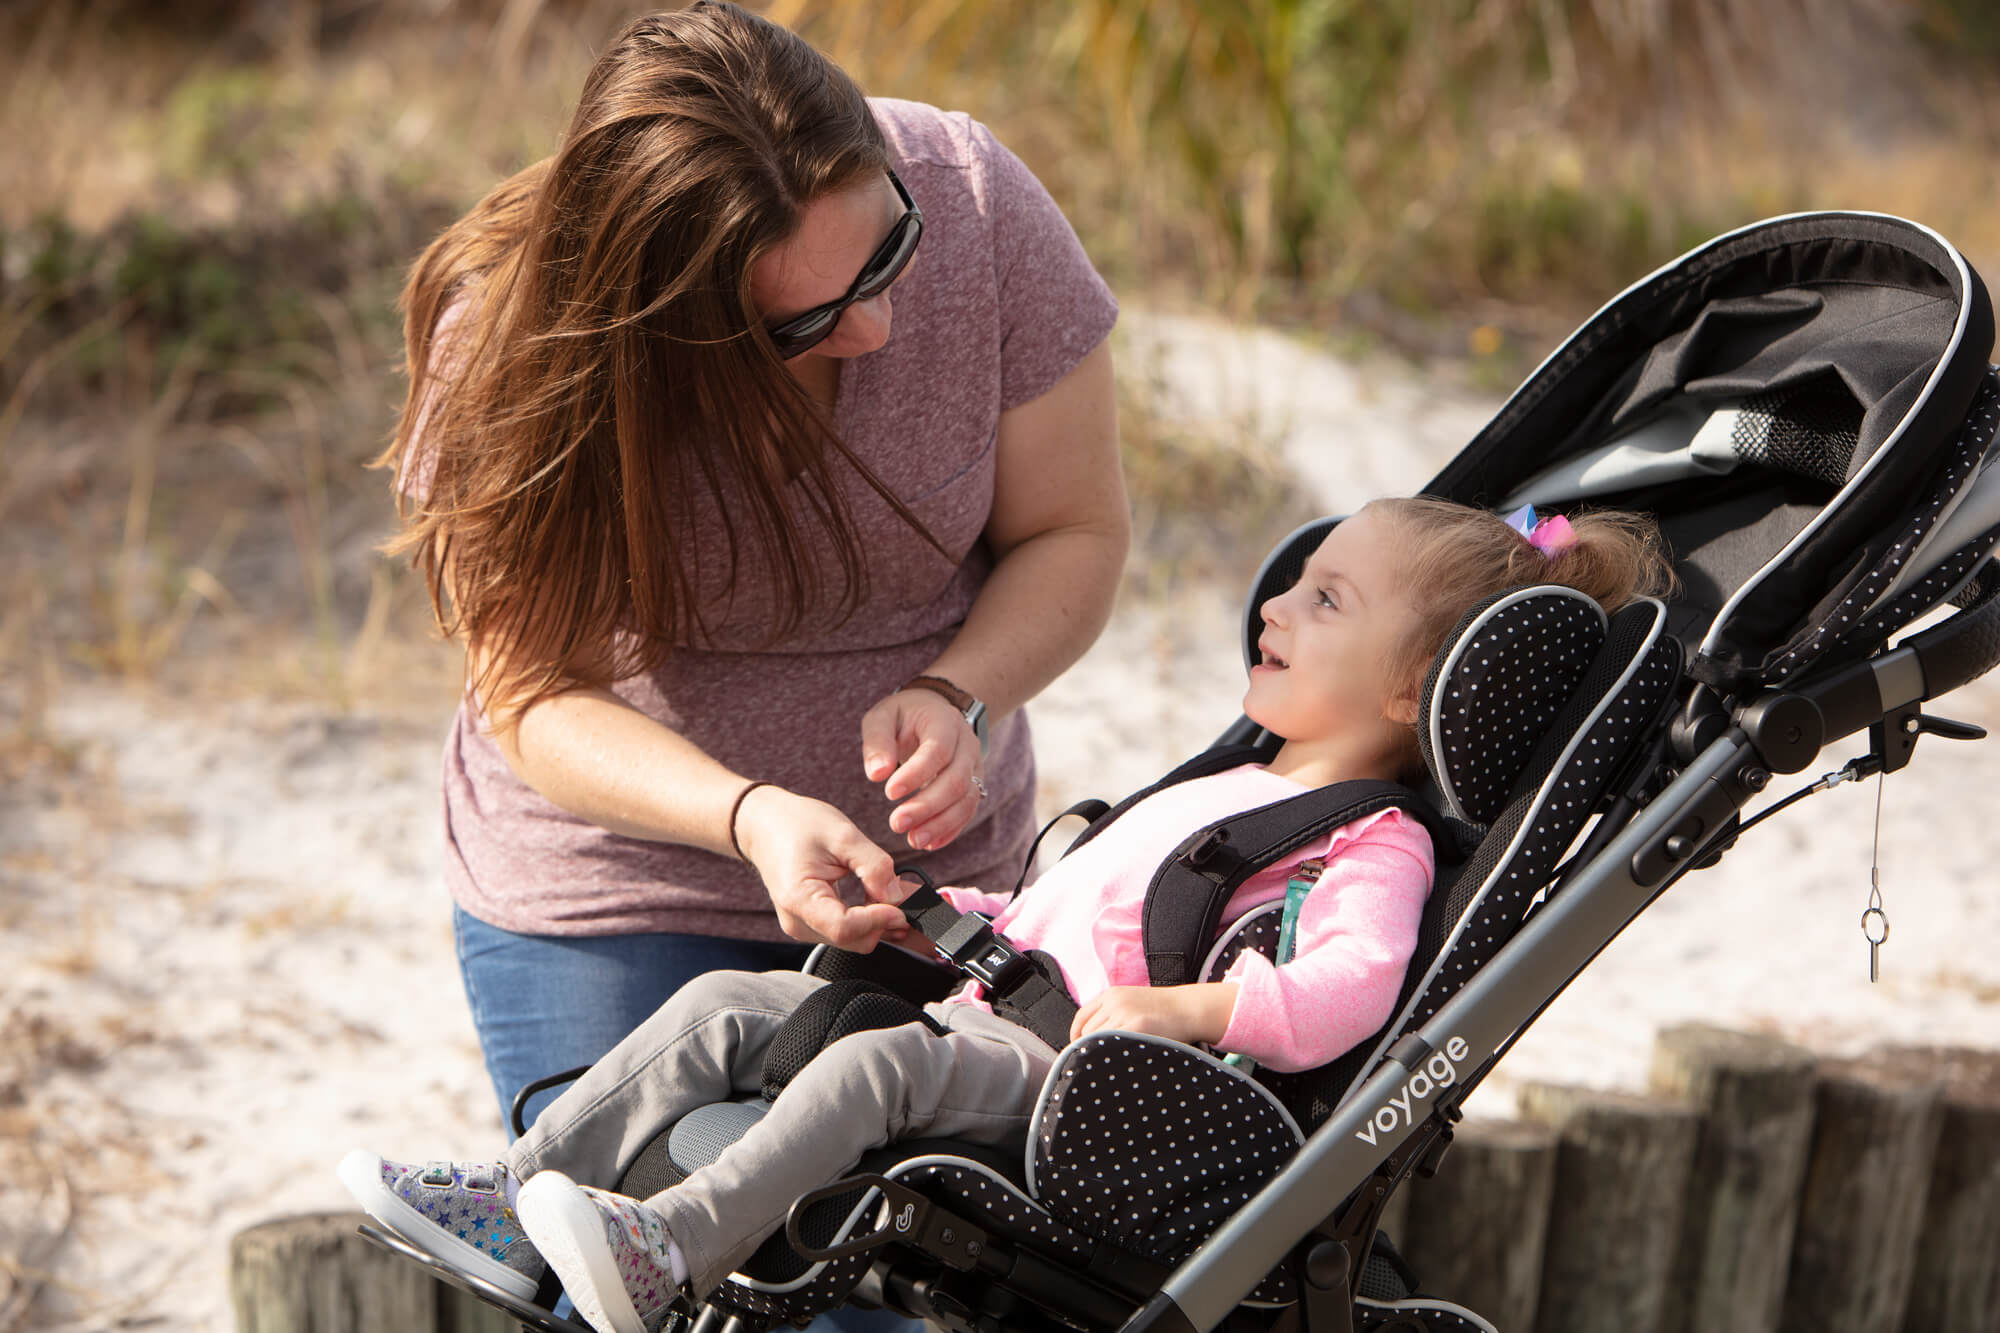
(1356, 931)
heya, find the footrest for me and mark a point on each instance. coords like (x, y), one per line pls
(530, 1315)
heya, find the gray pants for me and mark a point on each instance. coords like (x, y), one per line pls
(707, 1043)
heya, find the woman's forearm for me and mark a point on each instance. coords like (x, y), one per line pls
(601, 759)
(1042, 607)
(1059, 529)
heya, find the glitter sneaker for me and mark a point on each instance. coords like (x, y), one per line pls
(610, 1251)
(456, 1213)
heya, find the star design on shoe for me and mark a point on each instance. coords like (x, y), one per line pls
(456, 1212)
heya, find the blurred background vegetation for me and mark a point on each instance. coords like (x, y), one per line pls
(206, 207)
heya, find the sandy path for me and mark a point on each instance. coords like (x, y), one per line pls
(224, 958)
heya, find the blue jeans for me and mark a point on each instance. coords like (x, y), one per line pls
(546, 1003)
(543, 1004)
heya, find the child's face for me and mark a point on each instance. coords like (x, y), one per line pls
(1327, 640)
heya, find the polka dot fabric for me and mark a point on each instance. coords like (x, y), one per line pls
(989, 1198)
(1255, 931)
(1150, 1144)
(776, 1282)
(1840, 624)
(983, 1195)
(1417, 1314)
(1928, 592)
(1510, 666)
(1528, 839)
(825, 1289)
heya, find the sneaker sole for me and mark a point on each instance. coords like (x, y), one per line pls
(361, 1172)
(568, 1232)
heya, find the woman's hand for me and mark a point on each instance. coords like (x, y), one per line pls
(1197, 1013)
(803, 848)
(907, 936)
(923, 752)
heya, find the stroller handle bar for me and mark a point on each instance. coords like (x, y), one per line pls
(1927, 665)
(1962, 648)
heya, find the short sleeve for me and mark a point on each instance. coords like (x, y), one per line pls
(1054, 307)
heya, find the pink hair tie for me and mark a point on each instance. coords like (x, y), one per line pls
(1551, 536)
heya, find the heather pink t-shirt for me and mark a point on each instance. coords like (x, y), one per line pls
(1356, 931)
(998, 305)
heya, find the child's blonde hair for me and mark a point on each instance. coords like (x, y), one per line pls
(1453, 556)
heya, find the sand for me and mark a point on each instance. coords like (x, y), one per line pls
(225, 958)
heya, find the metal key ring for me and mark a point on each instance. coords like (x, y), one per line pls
(1868, 931)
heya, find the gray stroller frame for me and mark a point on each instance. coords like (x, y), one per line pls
(1806, 406)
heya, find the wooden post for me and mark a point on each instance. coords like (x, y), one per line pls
(462, 1312)
(1755, 1096)
(1621, 1180)
(1956, 1284)
(1475, 1231)
(317, 1274)
(1874, 1138)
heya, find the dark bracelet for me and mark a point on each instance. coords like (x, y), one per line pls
(736, 846)
(944, 689)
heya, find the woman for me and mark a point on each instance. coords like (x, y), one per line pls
(760, 425)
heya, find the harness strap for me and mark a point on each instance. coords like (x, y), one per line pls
(1184, 903)
(1022, 986)
(1208, 761)
(1183, 907)
(1041, 1005)
(1090, 808)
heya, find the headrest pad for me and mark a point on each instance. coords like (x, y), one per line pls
(1505, 672)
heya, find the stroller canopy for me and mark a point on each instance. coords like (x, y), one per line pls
(1788, 400)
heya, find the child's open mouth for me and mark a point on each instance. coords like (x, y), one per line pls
(1271, 659)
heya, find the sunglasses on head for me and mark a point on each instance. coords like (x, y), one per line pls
(805, 330)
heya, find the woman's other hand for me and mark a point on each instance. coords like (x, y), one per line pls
(802, 848)
(923, 752)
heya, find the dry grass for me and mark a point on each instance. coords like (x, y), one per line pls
(1207, 501)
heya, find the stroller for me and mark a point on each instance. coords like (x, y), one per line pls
(1806, 407)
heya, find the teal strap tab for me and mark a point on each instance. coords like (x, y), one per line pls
(1301, 883)
(1296, 889)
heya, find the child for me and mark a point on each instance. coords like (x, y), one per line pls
(1344, 653)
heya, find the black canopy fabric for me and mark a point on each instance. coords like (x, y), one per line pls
(1867, 336)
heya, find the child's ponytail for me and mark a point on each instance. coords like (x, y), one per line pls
(1453, 556)
(1615, 558)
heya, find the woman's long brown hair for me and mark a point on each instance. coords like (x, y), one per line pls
(603, 362)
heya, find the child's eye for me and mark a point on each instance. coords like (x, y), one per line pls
(1326, 599)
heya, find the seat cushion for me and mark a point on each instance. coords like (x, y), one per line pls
(1507, 669)
(1150, 1144)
